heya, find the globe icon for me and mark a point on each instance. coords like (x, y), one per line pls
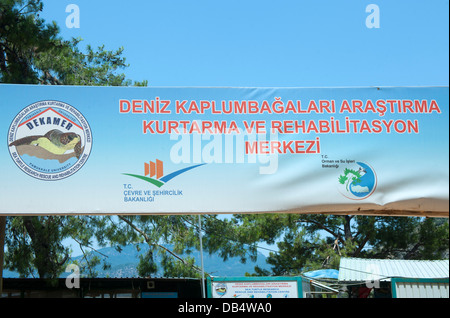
(363, 186)
(357, 181)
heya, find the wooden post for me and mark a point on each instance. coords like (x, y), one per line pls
(2, 249)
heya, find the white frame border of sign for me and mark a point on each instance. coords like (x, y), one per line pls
(227, 280)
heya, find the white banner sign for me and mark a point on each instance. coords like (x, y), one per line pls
(129, 150)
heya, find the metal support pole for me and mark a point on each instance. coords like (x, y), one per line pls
(201, 255)
(2, 249)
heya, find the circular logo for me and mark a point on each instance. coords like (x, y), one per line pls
(221, 289)
(49, 140)
(358, 181)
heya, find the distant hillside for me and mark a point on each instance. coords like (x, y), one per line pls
(123, 264)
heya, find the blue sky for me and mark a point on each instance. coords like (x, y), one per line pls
(261, 43)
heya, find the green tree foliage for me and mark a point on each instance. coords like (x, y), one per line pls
(23, 36)
(171, 236)
(311, 242)
(35, 243)
(32, 52)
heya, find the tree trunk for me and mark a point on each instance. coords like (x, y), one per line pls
(41, 245)
(347, 228)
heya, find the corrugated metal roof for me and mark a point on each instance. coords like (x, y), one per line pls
(361, 270)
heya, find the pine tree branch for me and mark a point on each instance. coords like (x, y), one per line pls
(361, 246)
(413, 250)
(151, 243)
(323, 227)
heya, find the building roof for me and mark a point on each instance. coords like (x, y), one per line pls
(362, 270)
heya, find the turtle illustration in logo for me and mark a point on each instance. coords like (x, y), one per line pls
(221, 289)
(54, 142)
